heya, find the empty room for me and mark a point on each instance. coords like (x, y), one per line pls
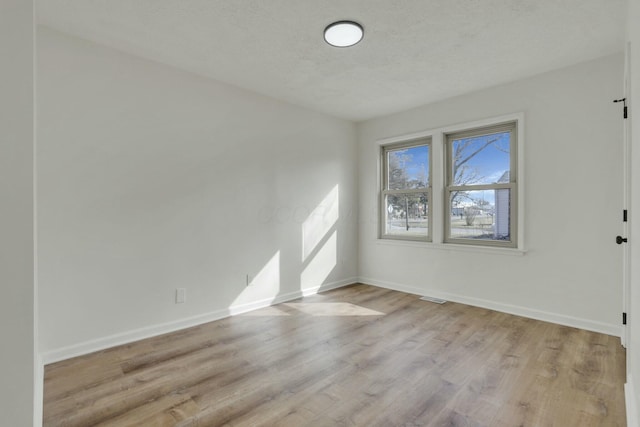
(329, 213)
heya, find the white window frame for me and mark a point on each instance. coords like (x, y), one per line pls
(385, 191)
(450, 187)
(437, 207)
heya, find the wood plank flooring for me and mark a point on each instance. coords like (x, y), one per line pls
(355, 356)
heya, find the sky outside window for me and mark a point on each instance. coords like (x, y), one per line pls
(481, 159)
(408, 168)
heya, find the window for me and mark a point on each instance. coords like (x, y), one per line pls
(406, 190)
(459, 185)
(480, 187)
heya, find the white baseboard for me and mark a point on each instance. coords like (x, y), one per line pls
(98, 344)
(630, 397)
(561, 319)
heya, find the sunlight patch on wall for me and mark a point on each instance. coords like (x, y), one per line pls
(319, 222)
(265, 285)
(319, 268)
(333, 309)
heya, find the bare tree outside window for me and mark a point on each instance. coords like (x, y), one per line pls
(479, 185)
(470, 213)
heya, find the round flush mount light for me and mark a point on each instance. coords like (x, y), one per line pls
(343, 33)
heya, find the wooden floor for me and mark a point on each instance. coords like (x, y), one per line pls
(356, 356)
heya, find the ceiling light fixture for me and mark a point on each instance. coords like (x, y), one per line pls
(343, 33)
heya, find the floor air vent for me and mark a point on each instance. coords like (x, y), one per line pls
(432, 299)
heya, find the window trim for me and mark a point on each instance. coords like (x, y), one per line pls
(384, 176)
(437, 185)
(512, 185)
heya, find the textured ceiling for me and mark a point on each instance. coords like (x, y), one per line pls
(414, 51)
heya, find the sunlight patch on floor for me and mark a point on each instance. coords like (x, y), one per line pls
(333, 309)
(268, 312)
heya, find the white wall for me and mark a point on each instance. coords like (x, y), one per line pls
(16, 210)
(633, 347)
(571, 272)
(151, 179)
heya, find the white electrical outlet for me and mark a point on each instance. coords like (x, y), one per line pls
(181, 295)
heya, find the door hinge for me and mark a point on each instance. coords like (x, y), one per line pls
(624, 109)
(624, 215)
(624, 318)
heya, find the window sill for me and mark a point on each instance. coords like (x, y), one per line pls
(452, 247)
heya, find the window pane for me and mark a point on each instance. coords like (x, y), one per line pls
(483, 215)
(481, 159)
(408, 168)
(407, 214)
